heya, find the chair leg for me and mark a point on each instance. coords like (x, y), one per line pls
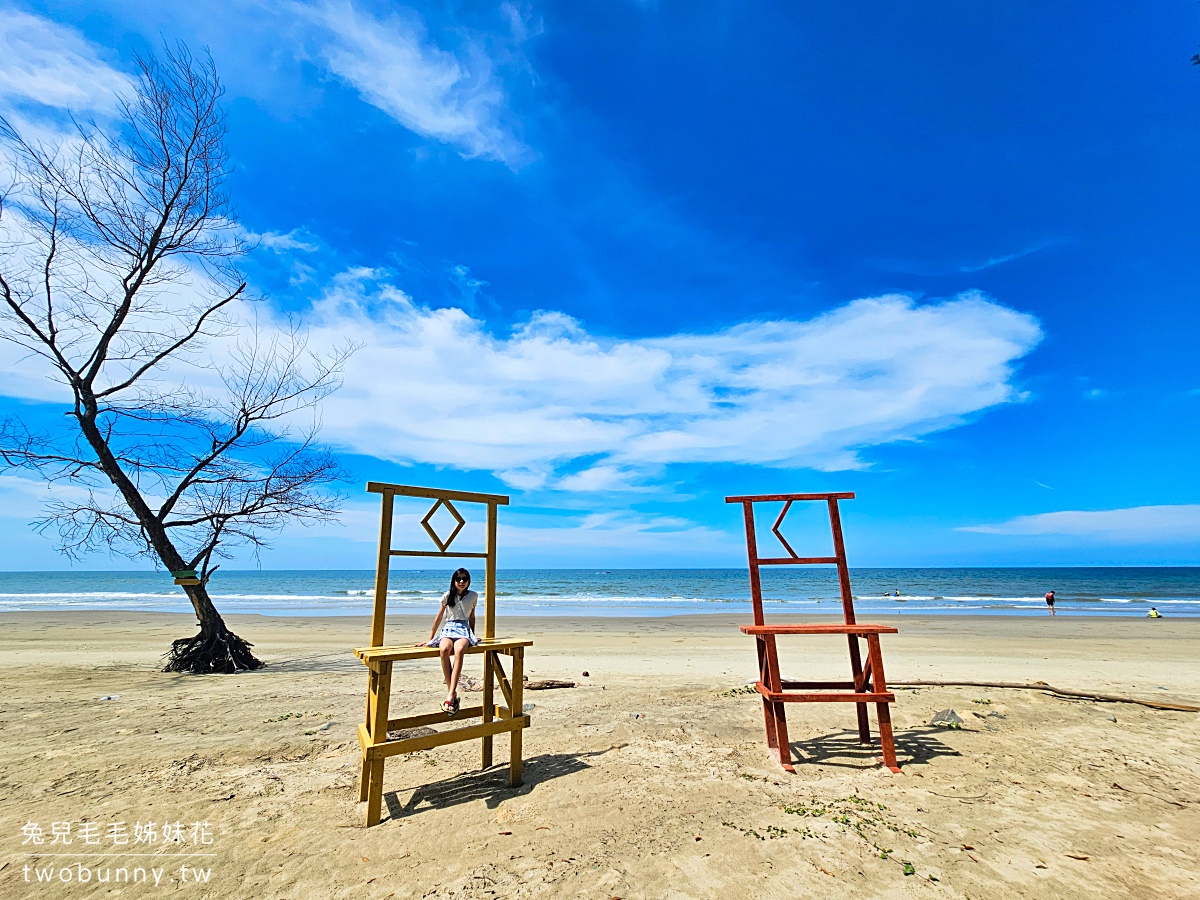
(773, 710)
(883, 711)
(364, 774)
(489, 677)
(375, 793)
(783, 749)
(364, 779)
(381, 689)
(764, 679)
(884, 714)
(864, 724)
(769, 723)
(515, 763)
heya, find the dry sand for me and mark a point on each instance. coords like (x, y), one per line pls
(650, 779)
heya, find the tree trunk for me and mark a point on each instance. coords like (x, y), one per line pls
(215, 649)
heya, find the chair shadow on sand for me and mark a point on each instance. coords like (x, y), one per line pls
(320, 663)
(490, 786)
(841, 749)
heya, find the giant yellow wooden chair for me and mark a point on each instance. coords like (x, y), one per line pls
(494, 719)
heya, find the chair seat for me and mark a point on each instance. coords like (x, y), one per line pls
(396, 654)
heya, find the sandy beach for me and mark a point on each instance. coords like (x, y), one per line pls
(650, 779)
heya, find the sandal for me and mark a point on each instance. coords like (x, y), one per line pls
(448, 708)
(457, 703)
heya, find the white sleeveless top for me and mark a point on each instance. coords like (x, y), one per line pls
(462, 608)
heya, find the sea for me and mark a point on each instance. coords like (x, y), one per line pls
(1125, 591)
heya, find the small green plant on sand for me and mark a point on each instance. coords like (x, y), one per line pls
(859, 816)
(772, 832)
(748, 832)
(984, 702)
(298, 715)
(749, 777)
(739, 691)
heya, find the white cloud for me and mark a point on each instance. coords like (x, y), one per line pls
(537, 532)
(46, 71)
(24, 498)
(298, 240)
(991, 262)
(434, 386)
(595, 537)
(50, 64)
(586, 538)
(28, 375)
(601, 477)
(453, 97)
(1177, 523)
(552, 405)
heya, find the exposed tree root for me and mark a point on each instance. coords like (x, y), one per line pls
(216, 651)
(1042, 686)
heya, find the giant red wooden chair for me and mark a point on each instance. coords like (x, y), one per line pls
(868, 684)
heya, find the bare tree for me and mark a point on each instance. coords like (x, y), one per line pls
(117, 252)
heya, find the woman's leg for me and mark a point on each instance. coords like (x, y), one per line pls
(444, 649)
(460, 647)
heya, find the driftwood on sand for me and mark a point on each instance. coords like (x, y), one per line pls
(1042, 686)
(548, 684)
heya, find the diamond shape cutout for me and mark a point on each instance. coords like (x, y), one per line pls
(775, 528)
(443, 545)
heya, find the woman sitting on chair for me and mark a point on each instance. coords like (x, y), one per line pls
(457, 619)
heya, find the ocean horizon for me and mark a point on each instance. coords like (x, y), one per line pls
(1108, 591)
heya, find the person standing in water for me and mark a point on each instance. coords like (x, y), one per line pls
(457, 620)
(1050, 601)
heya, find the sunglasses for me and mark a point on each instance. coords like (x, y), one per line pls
(462, 580)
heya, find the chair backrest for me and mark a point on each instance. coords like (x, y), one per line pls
(792, 559)
(441, 499)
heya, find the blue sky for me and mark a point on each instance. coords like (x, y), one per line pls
(619, 259)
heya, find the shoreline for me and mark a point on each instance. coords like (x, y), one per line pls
(1082, 652)
(548, 621)
(1115, 591)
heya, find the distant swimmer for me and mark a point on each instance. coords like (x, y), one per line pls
(1154, 614)
(1050, 601)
